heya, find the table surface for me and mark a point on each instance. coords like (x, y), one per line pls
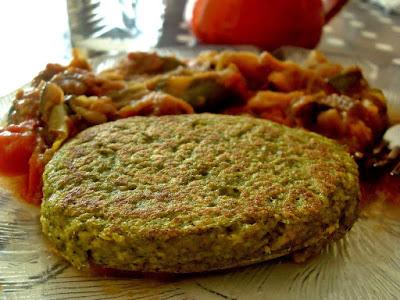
(361, 29)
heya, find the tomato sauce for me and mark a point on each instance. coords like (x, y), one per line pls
(17, 143)
(385, 188)
(20, 161)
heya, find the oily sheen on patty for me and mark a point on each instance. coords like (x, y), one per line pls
(194, 193)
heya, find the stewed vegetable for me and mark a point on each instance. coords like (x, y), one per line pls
(320, 96)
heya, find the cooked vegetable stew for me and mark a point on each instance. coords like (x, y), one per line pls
(63, 100)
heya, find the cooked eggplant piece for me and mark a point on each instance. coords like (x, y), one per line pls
(138, 63)
(346, 81)
(73, 82)
(207, 91)
(134, 91)
(57, 126)
(51, 96)
(12, 111)
(156, 104)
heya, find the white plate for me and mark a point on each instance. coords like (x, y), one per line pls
(363, 265)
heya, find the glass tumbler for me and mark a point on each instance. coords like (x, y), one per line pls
(110, 26)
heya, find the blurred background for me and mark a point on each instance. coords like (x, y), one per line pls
(35, 33)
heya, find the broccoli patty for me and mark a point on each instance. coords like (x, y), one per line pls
(194, 193)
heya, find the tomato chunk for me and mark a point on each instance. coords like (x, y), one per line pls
(17, 143)
(32, 192)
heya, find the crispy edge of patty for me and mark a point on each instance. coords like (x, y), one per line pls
(212, 248)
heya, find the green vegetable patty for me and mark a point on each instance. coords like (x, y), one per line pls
(194, 193)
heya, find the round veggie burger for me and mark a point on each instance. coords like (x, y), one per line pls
(193, 193)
